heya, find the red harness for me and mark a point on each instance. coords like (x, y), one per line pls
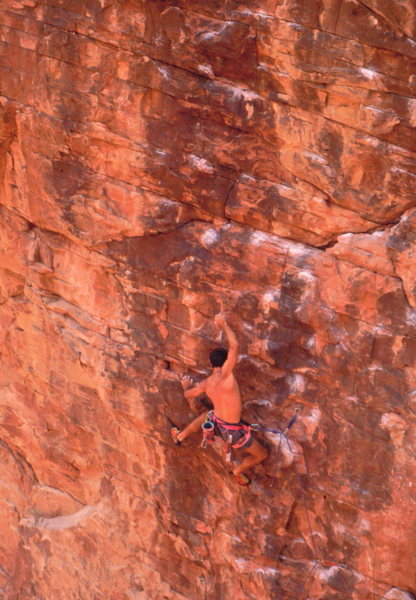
(242, 425)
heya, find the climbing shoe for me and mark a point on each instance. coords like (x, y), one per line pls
(241, 479)
(174, 431)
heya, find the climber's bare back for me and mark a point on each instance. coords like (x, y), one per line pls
(224, 393)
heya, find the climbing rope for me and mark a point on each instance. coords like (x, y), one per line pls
(208, 430)
(317, 561)
(298, 593)
(258, 427)
(301, 588)
(282, 434)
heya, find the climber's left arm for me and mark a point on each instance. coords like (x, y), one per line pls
(192, 392)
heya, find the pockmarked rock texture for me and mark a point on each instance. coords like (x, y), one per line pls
(156, 159)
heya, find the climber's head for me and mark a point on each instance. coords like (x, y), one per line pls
(218, 357)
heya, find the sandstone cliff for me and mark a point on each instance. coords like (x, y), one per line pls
(157, 157)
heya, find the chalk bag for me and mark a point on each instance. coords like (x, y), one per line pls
(208, 433)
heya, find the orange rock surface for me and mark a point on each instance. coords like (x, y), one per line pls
(157, 158)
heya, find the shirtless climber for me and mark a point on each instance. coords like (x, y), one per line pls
(222, 389)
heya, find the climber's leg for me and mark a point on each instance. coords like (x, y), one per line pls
(255, 454)
(193, 427)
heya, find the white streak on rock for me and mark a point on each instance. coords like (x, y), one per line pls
(364, 525)
(311, 342)
(311, 422)
(369, 73)
(163, 70)
(296, 383)
(209, 237)
(412, 111)
(271, 298)
(247, 94)
(208, 35)
(324, 574)
(296, 26)
(315, 157)
(306, 276)
(258, 237)
(258, 402)
(259, 13)
(283, 446)
(411, 315)
(206, 70)
(247, 565)
(202, 164)
(65, 521)
(396, 594)
(395, 425)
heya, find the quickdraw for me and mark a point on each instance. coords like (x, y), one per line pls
(229, 450)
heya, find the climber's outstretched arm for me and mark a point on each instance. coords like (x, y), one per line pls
(232, 357)
(192, 392)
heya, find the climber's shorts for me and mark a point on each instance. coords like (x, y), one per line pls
(241, 434)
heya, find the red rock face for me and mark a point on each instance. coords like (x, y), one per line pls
(157, 158)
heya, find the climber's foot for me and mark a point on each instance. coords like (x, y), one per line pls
(174, 432)
(240, 478)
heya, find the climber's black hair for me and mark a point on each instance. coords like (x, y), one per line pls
(218, 357)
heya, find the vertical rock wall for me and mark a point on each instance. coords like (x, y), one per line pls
(157, 157)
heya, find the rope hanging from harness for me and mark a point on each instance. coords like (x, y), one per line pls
(258, 427)
(208, 436)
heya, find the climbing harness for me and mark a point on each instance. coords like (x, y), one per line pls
(208, 435)
(235, 435)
